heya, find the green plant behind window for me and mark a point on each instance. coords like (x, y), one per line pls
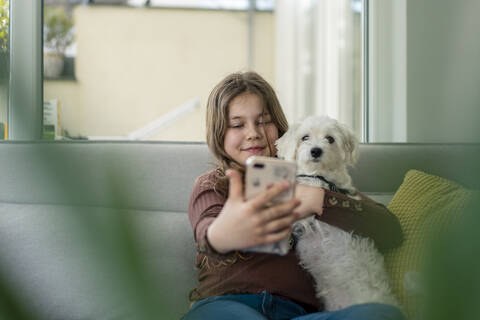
(58, 33)
(4, 22)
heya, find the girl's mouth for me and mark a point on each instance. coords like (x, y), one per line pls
(254, 149)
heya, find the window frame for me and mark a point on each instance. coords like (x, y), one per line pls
(365, 67)
(25, 98)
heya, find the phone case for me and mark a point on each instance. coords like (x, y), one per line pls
(261, 173)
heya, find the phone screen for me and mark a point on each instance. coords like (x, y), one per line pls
(262, 172)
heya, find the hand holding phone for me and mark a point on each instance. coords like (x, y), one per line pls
(261, 173)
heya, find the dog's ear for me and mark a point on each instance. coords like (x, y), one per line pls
(287, 144)
(350, 145)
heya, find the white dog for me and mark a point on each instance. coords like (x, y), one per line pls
(347, 269)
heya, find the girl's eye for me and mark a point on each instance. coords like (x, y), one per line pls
(264, 122)
(236, 126)
(330, 139)
(305, 137)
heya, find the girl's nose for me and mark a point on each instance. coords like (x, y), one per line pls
(254, 132)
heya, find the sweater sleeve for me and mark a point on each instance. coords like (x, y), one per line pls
(204, 206)
(363, 217)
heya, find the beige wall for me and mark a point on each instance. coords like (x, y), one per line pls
(134, 65)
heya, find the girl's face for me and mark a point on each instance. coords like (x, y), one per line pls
(250, 129)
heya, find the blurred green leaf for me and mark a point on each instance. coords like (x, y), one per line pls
(4, 24)
(58, 29)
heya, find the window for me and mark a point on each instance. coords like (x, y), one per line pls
(4, 65)
(147, 75)
(142, 70)
(319, 59)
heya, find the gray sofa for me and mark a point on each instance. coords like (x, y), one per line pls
(99, 230)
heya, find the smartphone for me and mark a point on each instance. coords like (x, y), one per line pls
(261, 173)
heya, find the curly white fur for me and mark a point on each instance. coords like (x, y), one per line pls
(347, 269)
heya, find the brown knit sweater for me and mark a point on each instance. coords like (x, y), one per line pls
(282, 276)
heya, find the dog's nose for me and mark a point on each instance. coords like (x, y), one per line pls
(316, 152)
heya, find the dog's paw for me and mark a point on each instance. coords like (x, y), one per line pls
(313, 225)
(299, 230)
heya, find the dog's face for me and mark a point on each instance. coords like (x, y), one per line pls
(318, 144)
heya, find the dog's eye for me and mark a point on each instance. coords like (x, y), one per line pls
(305, 137)
(330, 139)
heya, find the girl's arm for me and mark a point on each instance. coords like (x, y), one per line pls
(234, 224)
(364, 217)
(204, 206)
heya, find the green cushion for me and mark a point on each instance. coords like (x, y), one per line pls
(424, 203)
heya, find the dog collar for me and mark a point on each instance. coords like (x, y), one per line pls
(332, 186)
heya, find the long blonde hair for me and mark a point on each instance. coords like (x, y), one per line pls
(219, 100)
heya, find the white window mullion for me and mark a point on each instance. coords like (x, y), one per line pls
(26, 86)
(387, 71)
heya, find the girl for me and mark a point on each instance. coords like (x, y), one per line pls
(244, 118)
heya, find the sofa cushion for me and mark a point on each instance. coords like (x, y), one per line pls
(70, 262)
(424, 204)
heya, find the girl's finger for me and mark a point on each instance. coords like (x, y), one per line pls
(277, 236)
(235, 188)
(279, 224)
(261, 200)
(280, 210)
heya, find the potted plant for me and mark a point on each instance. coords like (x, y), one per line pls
(57, 36)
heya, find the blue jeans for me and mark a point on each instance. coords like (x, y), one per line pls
(264, 306)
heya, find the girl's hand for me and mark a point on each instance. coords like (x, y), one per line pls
(312, 200)
(246, 223)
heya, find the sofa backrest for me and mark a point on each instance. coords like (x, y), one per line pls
(382, 166)
(145, 176)
(160, 175)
